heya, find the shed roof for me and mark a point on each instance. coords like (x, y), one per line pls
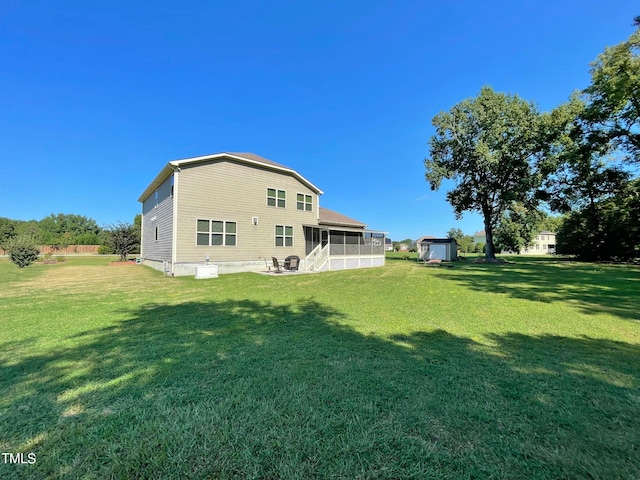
(437, 240)
(424, 237)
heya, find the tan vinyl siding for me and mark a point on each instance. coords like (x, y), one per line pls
(234, 192)
(160, 217)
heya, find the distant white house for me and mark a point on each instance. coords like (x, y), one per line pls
(480, 237)
(543, 243)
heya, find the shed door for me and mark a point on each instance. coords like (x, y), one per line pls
(437, 252)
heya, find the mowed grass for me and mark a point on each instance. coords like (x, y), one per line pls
(528, 370)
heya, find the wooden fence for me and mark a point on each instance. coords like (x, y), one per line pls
(68, 250)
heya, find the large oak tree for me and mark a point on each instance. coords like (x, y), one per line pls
(490, 146)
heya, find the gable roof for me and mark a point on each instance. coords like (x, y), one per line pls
(329, 217)
(437, 240)
(424, 237)
(247, 158)
(257, 158)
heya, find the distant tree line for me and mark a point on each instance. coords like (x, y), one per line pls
(56, 230)
(20, 238)
(409, 243)
(465, 242)
(514, 164)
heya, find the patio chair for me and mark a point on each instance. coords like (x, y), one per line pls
(291, 262)
(276, 265)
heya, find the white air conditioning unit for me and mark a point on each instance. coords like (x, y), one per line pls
(206, 271)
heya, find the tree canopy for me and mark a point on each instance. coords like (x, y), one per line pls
(69, 229)
(455, 233)
(55, 229)
(581, 159)
(490, 146)
(592, 179)
(612, 115)
(122, 238)
(464, 242)
(516, 228)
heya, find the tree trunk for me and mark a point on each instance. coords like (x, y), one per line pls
(488, 230)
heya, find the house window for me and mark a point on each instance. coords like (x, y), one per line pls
(284, 236)
(276, 198)
(216, 233)
(156, 234)
(304, 202)
(172, 183)
(156, 197)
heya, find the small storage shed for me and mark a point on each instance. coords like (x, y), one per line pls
(445, 249)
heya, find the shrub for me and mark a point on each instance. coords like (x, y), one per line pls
(123, 238)
(105, 250)
(47, 258)
(22, 250)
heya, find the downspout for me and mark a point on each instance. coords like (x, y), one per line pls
(142, 255)
(174, 228)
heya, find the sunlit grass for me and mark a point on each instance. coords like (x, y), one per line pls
(526, 370)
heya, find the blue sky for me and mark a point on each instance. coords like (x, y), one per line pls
(95, 97)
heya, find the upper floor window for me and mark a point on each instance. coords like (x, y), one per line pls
(276, 198)
(304, 202)
(216, 232)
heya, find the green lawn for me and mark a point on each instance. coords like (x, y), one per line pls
(528, 370)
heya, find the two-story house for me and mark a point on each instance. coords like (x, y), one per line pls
(237, 211)
(543, 243)
(480, 237)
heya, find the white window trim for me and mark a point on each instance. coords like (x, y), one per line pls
(304, 202)
(284, 236)
(277, 198)
(223, 233)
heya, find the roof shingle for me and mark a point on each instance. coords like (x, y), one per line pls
(257, 158)
(329, 217)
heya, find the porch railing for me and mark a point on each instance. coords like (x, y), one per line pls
(356, 249)
(317, 258)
